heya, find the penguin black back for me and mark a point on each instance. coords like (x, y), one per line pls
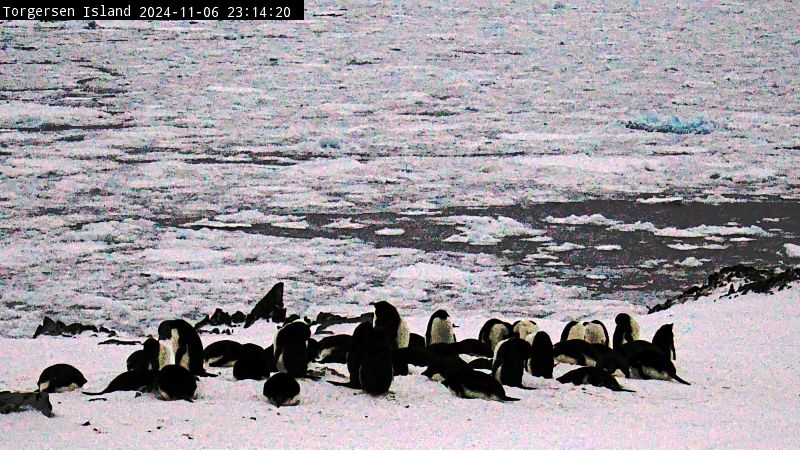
(594, 376)
(541, 359)
(391, 325)
(665, 340)
(132, 380)
(376, 371)
(251, 363)
(509, 361)
(176, 383)
(222, 353)
(60, 378)
(281, 389)
(468, 383)
(333, 349)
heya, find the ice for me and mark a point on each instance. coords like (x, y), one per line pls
(481, 230)
(792, 250)
(593, 219)
(390, 231)
(345, 223)
(654, 123)
(690, 261)
(608, 247)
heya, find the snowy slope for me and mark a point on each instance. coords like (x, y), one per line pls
(739, 354)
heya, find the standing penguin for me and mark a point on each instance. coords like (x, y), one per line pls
(281, 389)
(186, 345)
(440, 329)
(60, 378)
(573, 330)
(540, 363)
(508, 364)
(394, 328)
(369, 361)
(147, 358)
(494, 331)
(291, 348)
(595, 332)
(627, 330)
(665, 340)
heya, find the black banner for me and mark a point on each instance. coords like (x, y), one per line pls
(155, 10)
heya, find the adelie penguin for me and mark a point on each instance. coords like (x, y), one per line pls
(333, 349)
(627, 330)
(251, 364)
(175, 382)
(652, 363)
(60, 378)
(494, 331)
(393, 327)
(573, 330)
(595, 332)
(369, 361)
(665, 340)
(291, 348)
(132, 380)
(222, 353)
(509, 360)
(525, 329)
(185, 344)
(594, 376)
(540, 363)
(468, 383)
(148, 358)
(440, 329)
(281, 389)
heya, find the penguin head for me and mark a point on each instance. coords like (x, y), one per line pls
(441, 315)
(165, 330)
(623, 319)
(385, 311)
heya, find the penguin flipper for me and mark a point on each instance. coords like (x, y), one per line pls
(94, 393)
(348, 384)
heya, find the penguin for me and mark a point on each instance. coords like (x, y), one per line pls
(333, 349)
(594, 376)
(541, 361)
(480, 364)
(291, 348)
(132, 380)
(222, 353)
(369, 361)
(473, 347)
(60, 378)
(440, 329)
(573, 330)
(186, 345)
(176, 382)
(26, 401)
(652, 363)
(525, 329)
(388, 321)
(627, 330)
(281, 389)
(595, 332)
(468, 383)
(494, 331)
(509, 360)
(576, 351)
(416, 340)
(442, 367)
(665, 340)
(614, 363)
(251, 363)
(147, 358)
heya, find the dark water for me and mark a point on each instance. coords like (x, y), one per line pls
(625, 274)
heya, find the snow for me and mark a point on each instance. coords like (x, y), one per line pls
(792, 250)
(565, 247)
(608, 247)
(390, 232)
(572, 219)
(652, 200)
(346, 223)
(690, 261)
(481, 230)
(734, 399)
(431, 272)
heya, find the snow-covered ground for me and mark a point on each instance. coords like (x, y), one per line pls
(740, 354)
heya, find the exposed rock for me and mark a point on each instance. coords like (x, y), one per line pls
(325, 320)
(740, 279)
(52, 327)
(270, 307)
(220, 318)
(25, 401)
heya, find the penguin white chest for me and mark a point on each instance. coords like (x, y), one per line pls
(442, 331)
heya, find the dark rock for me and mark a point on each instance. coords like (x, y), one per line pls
(270, 307)
(740, 279)
(221, 318)
(119, 342)
(25, 401)
(52, 327)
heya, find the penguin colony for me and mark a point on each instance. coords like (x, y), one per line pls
(378, 351)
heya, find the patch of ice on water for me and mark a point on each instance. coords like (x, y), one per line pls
(771, 219)
(250, 216)
(390, 231)
(693, 232)
(205, 222)
(565, 247)
(684, 247)
(792, 250)
(653, 200)
(483, 230)
(741, 239)
(593, 219)
(434, 273)
(593, 276)
(690, 261)
(345, 223)
(608, 247)
(538, 239)
(652, 263)
(294, 224)
(535, 256)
